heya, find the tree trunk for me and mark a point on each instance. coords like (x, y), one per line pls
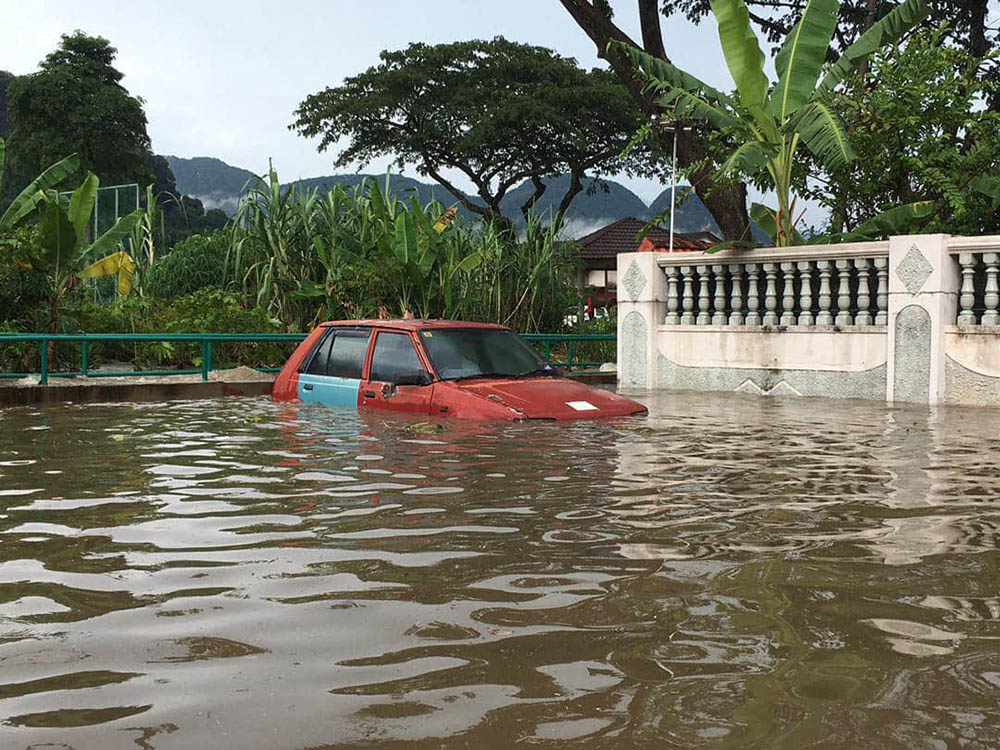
(870, 8)
(538, 192)
(726, 203)
(978, 11)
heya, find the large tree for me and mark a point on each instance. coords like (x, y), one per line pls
(968, 20)
(75, 103)
(725, 200)
(496, 111)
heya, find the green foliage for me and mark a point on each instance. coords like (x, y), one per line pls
(921, 134)
(499, 111)
(366, 252)
(21, 292)
(193, 264)
(75, 103)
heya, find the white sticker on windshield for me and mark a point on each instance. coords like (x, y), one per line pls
(581, 405)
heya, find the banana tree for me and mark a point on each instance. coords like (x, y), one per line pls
(66, 254)
(770, 122)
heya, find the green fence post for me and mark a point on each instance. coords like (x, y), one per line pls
(84, 357)
(206, 358)
(548, 350)
(45, 361)
(569, 356)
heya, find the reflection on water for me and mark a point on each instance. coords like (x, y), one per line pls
(727, 572)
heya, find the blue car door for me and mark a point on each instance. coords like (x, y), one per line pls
(332, 374)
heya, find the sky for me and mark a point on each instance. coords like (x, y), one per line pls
(222, 78)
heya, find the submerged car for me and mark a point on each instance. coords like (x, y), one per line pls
(438, 368)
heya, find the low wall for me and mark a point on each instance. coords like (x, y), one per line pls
(773, 361)
(876, 320)
(972, 367)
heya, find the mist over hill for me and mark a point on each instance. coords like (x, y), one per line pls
(220, 185)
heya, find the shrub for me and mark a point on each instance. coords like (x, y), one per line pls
(21, 292)
(196, 263)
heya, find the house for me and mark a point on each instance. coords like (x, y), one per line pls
(599, 252)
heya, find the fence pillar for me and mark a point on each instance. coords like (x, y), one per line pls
(642, 309)
(206, 358)
(924, 286)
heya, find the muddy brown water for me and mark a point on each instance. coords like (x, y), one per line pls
(728, 572)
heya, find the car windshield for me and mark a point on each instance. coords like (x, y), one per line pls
(480, 352)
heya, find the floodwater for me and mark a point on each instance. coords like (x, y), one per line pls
(728, 572)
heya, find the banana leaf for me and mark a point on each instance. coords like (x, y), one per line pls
(28, 199)
(742, 52)
(823, 133)
(897, 220)
(111, 239)
(801, 59)
(988, 185)
(58, 240)
(81, 205)
(120, 264)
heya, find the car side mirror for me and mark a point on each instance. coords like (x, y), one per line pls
(420, 377)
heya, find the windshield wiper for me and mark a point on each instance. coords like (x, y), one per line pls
(547, 371)
(482, 375)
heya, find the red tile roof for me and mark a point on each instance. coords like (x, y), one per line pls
(622, 236)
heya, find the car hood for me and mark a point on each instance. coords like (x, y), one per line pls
(552, 398)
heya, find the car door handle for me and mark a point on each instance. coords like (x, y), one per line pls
(369, 394)
(307, 387)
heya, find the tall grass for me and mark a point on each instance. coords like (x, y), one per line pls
(366, 252)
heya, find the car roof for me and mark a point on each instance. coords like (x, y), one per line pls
(414, 324)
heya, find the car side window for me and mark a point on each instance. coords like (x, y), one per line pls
(320, 356)
(394, 359)
(347, 355)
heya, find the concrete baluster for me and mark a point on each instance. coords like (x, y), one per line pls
(719, 313)
(967, 299)
(687, 298)
(673, 300)
(805, 292)
(882, 292)
(753, 298)
(771, 294)
(825, 318)
(844, 317)
(736, 296)
(863, 267)
(703, 318)
(788, 294)
(992, 316)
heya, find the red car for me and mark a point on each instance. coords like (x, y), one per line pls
(438, 368)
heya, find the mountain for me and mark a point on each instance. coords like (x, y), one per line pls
(215, 183)
(399, 185)
(602, 201)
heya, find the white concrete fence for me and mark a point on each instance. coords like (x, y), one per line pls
(913, 319)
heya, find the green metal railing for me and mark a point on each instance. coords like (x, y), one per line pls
(208, 340)
(570, 340)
